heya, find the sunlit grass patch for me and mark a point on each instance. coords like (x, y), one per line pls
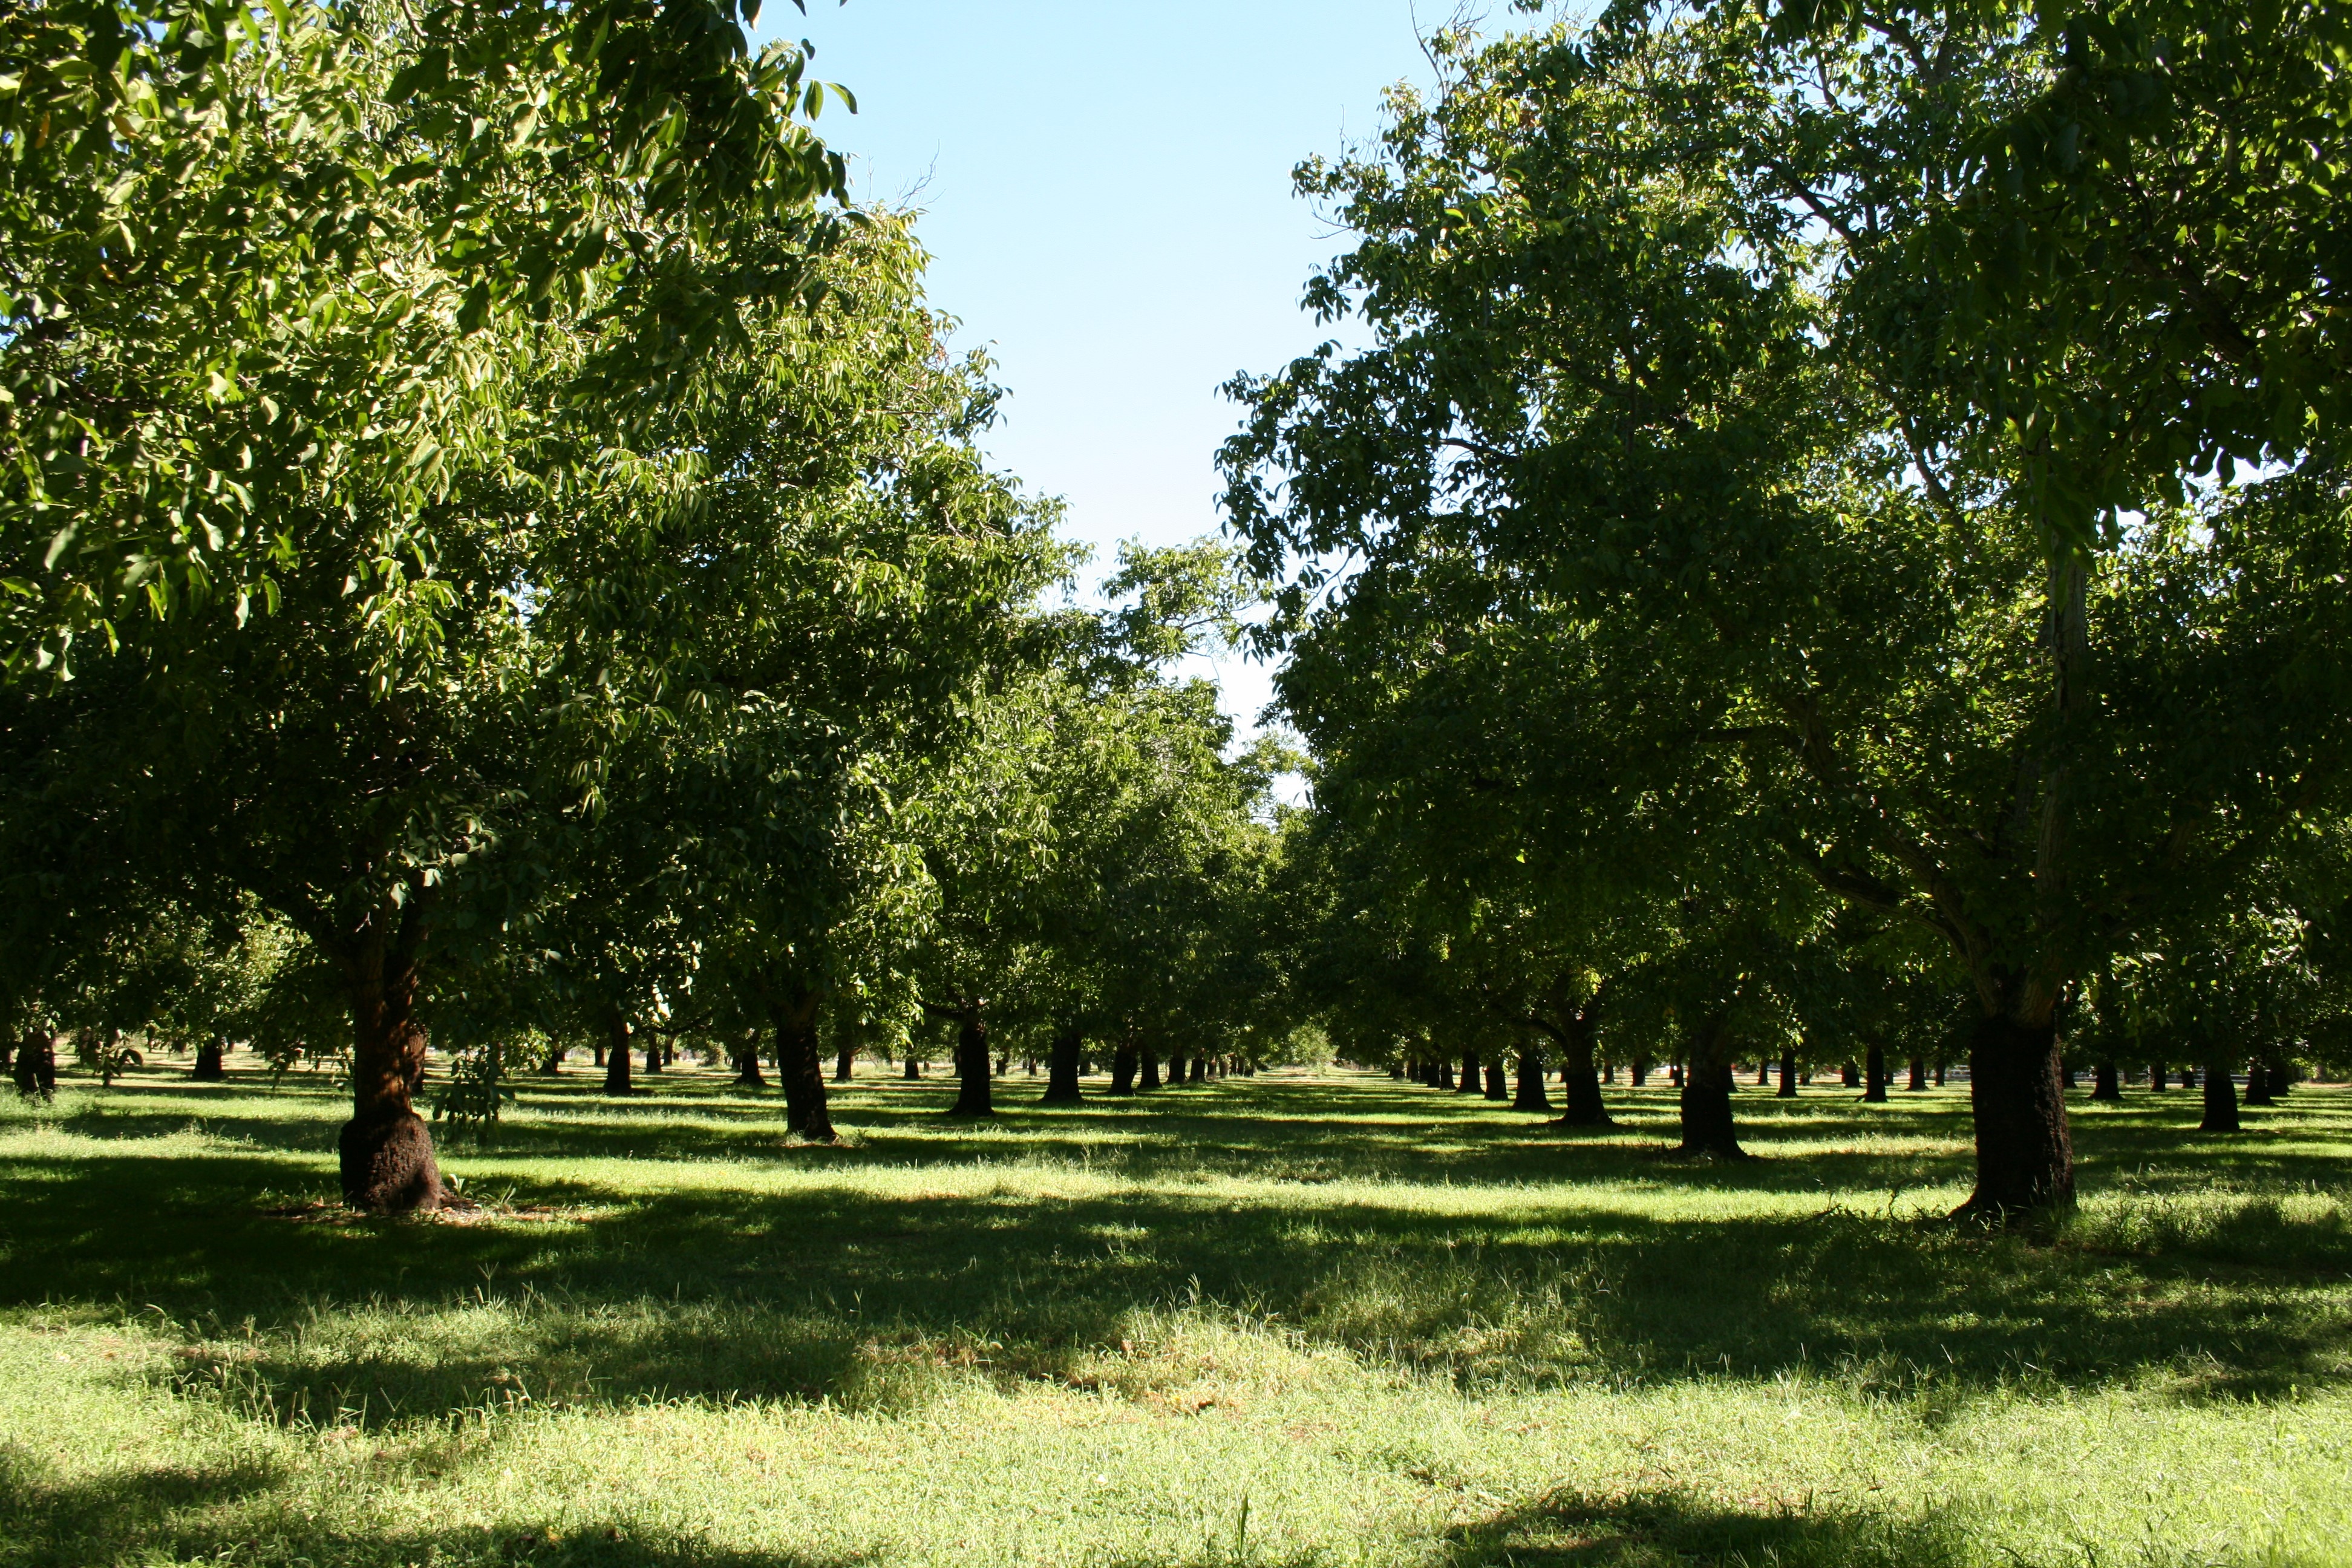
(1297, 1320)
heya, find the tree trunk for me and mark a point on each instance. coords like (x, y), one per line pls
(596, 1057)
(1849, 1077)
(1200, 1067)
(385, 1150)
(1918, 1084)
(35, 1069)
(1788, 1089)
(653, 1056)
(747, 1064)
(1124, 1061)
(1874, 1075)
(2025, 1156)
(618, 1056)
(845, 1065)
(914, 1069)
(209, 1067)
(800, 1064)
(1707, 1095)
(2156, 1077)
(1639, 1074)
(2258, 1083)
(1939, 1073)
(1531, 1095)
(2106, 1083)
(2220, 1099)
(1175, 1069)
(1468, 1081)
(553, 1062)
(1151, 1061)
(972, 1062)
(1062, 1073)
(1580, 1081)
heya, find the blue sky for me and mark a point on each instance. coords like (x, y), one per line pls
(1106, 191)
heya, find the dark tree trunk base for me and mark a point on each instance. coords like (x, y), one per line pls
(1788, 1089)
(209, 1067)
(1707, 1127)
(2025, 1156)
(2220, 1102)
(388, 1166)
(1062, 1070)
(2107, 1084)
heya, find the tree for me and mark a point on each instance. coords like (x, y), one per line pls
(1621, 364)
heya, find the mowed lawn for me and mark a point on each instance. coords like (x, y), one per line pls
(1299, 1319)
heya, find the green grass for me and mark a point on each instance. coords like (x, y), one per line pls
(1297, 1319)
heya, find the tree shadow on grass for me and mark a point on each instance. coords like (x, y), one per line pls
(854, 1293)
(1671, 1530)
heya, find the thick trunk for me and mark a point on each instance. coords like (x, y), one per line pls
(1062, 1069)
(552, 1063)
(386, 1152)
(1396, 1070)
(1531, 1095)
(1200, 1067)
(1707, 1095)
(972, 1065)
(1175, 1069)
(1468, 1083)
(747, 1064)
(914, 1069)
(799, 1065)
(2106, 1083)
(1788, 1089)
(1124, 1061)
(35, 1068)
(1150, 1059)
(2220, 1099)
(845, 1065)
(1874, 1072)
(653, 1055)
(2258, 1083)
(209, 1067)
(1580, 1081)
(1918, 1083)
(2025, 1156)
(596, 1057)
(617, 1056)
(1849, 1077)
(1445, 1075)
(1939, 1074)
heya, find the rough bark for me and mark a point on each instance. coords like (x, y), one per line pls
(2220, 1099)
(2106, 1083)
(385, 1150)
(972, 1097)
(2025, 1154)
(1061, 1071)
(1788, 1089)
(800, 1063)
(35, 1068)
(1579, 1079)
(1705, 1099)
(209, 1067)
(618, 1056)
(1531, 1095)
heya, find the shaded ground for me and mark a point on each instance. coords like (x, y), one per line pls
(1382, 1260)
